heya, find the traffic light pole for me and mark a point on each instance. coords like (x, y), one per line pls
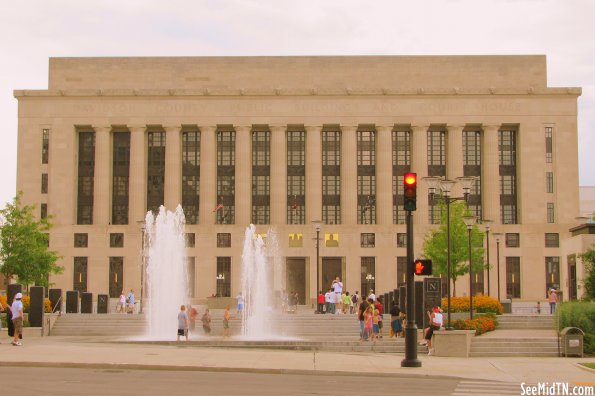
(411, 328)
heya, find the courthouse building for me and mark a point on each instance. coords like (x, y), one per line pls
(283, 141)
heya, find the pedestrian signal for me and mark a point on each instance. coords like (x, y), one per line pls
(422, 267)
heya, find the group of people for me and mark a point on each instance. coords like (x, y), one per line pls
(188, 316)
(370, 315)
(338, 301)
(126, 303)
(14, 319)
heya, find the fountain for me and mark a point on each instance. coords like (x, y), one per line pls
(167, 285)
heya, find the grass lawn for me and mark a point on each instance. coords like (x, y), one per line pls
(589, 365)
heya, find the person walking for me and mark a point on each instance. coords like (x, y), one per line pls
(130, 300)
(182, 323)
(240, 303)
(355, 299)
(17, 319)
(552, 298)
(206, 322)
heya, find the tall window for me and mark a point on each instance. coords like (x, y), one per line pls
(226, 174)
(156, 170)
(508, 195)
(552, 273)
(191, 174)
(296, 175)
(436, 167)
(401, 142)
(472, 167)
(223, 276)
(86, 174)
(44, 183)
(116, 276)
(401, 271)
(549, 182)
(367, 240)
(548, 144)
(120, 177)
(368, 275)
(366, 175)
(43, 211)
(79, 280)
(513, 277)
(331, 175)
(261, 174)
(550, 213)
(45, 146)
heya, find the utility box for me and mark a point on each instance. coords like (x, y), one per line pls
(572, 341)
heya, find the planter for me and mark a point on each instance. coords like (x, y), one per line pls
(452, 343)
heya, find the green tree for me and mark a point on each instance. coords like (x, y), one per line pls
(435, 245)
(588, 258)
(24, 250)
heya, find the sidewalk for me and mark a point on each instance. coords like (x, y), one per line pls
(100, 352)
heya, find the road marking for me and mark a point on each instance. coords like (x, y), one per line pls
(485, 388)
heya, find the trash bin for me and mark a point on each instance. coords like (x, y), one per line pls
(506, 306)
(572, 341)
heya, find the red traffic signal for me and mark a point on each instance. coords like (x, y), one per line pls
(410, 191)
(422, 267)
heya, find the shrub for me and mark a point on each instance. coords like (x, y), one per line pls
(579, 314)
(481, 324)
(482, 304)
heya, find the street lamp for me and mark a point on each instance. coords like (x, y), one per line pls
(369, 278)
(487, 224)
(220, 278)
(445, 186)
(497, 235)
(317, 228)
(469, 222)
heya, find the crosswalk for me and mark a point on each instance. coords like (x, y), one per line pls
(485, 388)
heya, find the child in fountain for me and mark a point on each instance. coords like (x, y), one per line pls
(226, 318)
(182, 323)
(206, 321)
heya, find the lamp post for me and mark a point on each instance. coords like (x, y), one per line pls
(220, 278)
(487, 224)
(497, 235)
(445, 186)
(143, 229)
(317, 228)
(369, 278)
(469, 222)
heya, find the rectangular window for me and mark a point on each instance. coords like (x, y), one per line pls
(261, 174)
(226, 170)
(472, 168)
(296, 175)
(401, 271)
(223, 276)
(368, 275)
(513, 277)
(548, 144)
(44, 183)
(552, 273)
(81, 240)
(552, 240)
(507, 170)
(549, 182)
(550, 213)
(331, 240)
(190, 239)
(79, 280)
(191, 174)
(366, 175)
(436, 149)
(120, 176)
(155, 170)
(191, 271)
(116, 240)
(331, 175)
(223, 240)
(401, 154)
(116, 276)
(367, 240)
(86, 177)
(512, 240)
(43, 211)
(45, 145)
(401, 240)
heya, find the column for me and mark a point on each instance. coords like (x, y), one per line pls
(243, 188)
(419, 165)
(173, 167)
(138, 173)
(278, 200)
(348, 175)
(454, 156)
(384, 175)
(208, 175)
(491, 174)
(313, 173)
(101, 188)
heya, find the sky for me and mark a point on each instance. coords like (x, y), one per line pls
(32, 31)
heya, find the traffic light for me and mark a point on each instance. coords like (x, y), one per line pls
(410, 191)
(422, 267)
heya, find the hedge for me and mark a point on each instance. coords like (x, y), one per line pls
(481, 304)
(579, 314)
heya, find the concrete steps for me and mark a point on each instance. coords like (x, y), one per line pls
(506, 322)
(514, 347)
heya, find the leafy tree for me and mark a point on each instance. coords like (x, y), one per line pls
(588, 258)
(435, 245)
(24, 251)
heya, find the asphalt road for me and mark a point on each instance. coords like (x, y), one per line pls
(25, 381)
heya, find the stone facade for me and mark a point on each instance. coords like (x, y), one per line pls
(450, 94)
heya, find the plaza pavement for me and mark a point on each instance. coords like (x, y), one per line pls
(113, 353)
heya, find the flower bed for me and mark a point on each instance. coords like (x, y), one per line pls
(481, 304)
(481, 324)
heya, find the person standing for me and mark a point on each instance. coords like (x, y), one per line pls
(347, 303)
(395, 320)
(355, 300)
(206, 321)
(182, 323)
(378, 306)
(320, 302)
(360, 316)
(337, 287)
(121, 303)
(17, 318)
(552, 299)
(193, 314)
(130, 300)
(226, 324)
(372, 296)
(328, 299)
(240, 303)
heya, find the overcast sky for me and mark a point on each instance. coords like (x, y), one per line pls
(33, 31)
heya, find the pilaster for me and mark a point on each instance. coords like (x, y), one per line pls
(278, 194)
(384, 175)
(243, 196)
(138, 173)
(454, 156)
(349, 174)
(419, 165)
(208, 175)
(101, 188)
(491, 174)
(313, 173)
(173, 167)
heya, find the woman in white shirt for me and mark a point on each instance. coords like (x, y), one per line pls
(436, 322)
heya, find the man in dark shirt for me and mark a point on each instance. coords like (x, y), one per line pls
(360, 316)
(395, 320)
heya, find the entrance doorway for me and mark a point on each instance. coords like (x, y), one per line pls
(331, 268)
(295, 277)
